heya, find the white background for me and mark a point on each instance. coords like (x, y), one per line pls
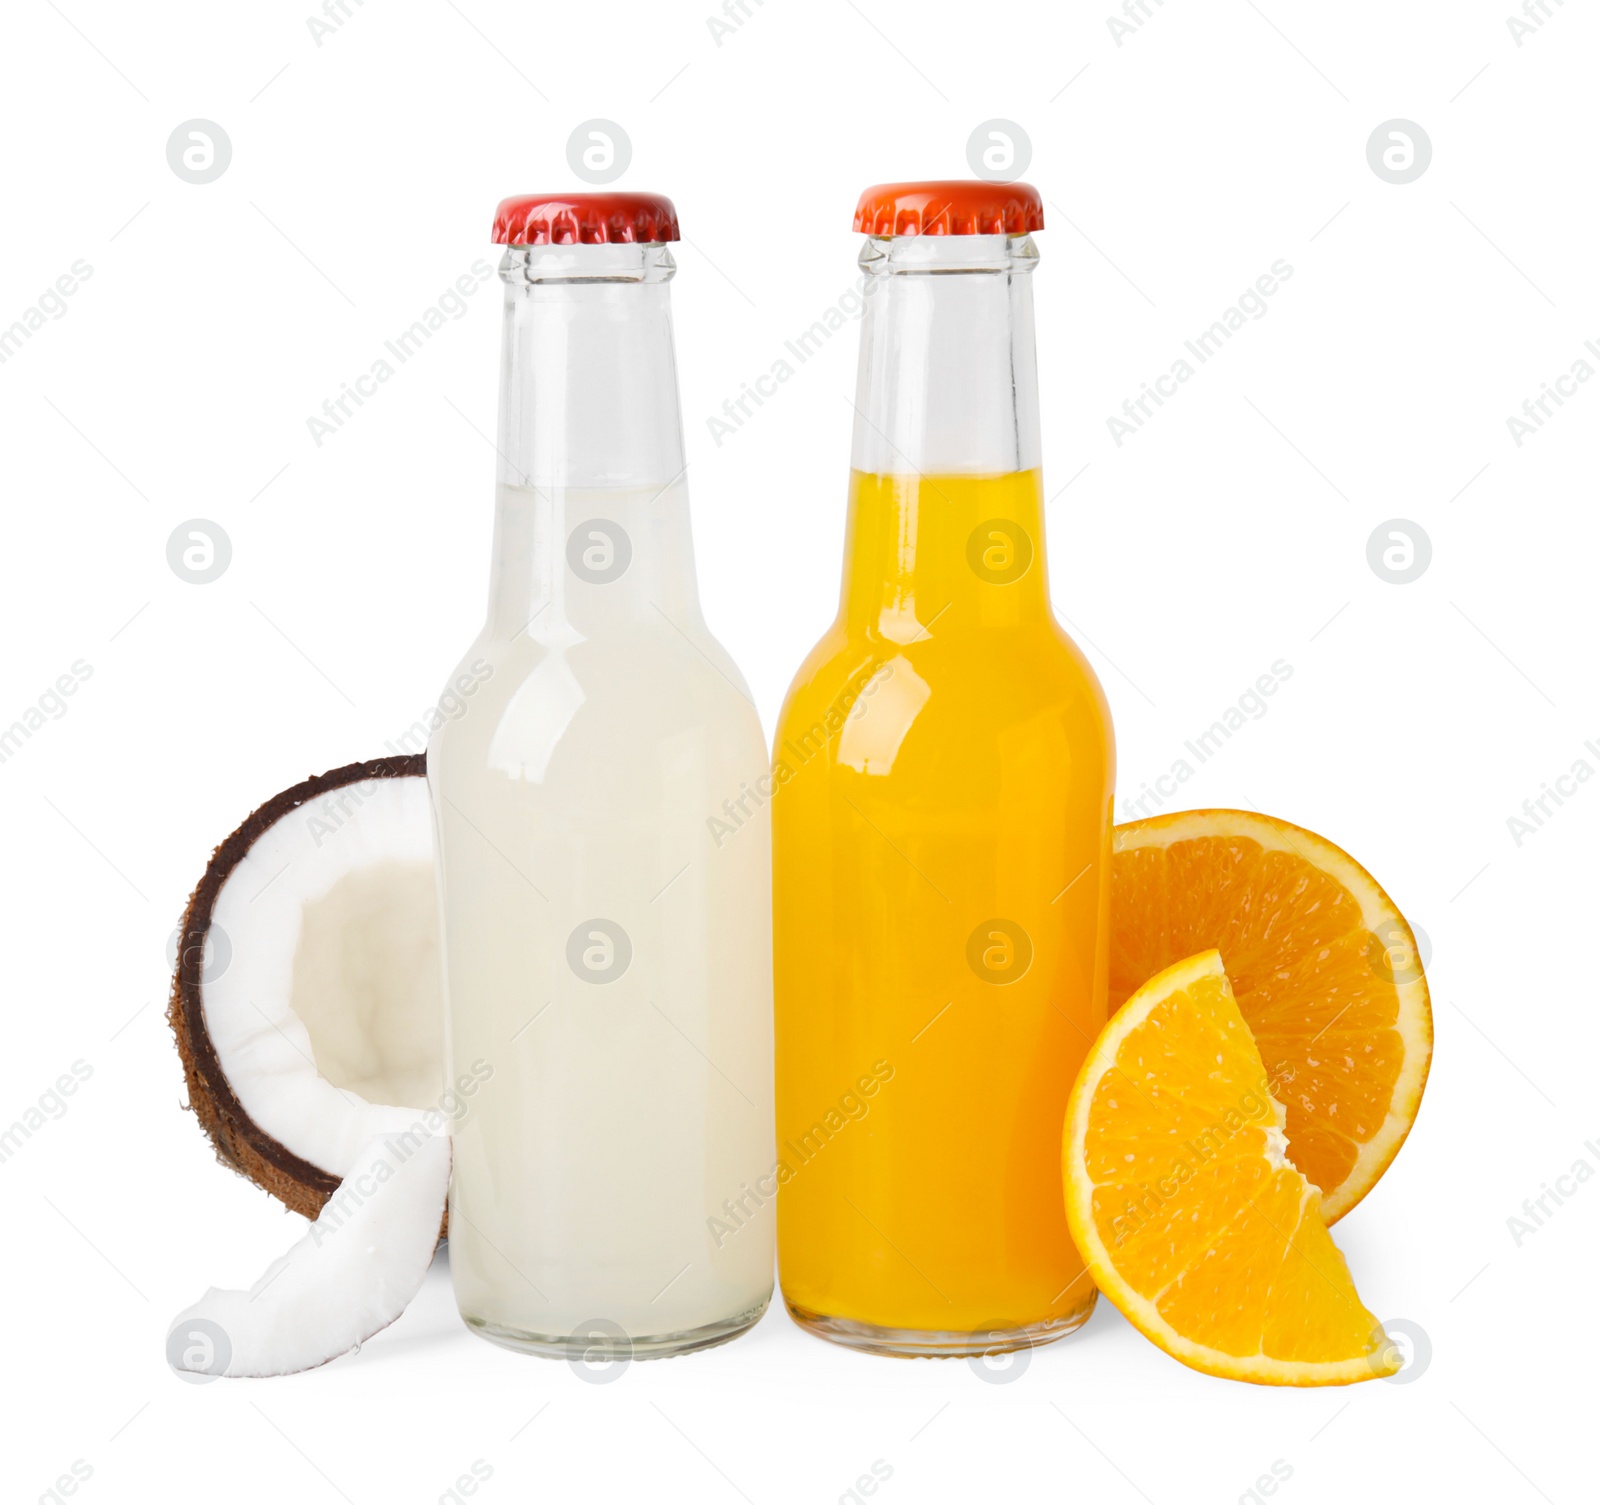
(1230, 532)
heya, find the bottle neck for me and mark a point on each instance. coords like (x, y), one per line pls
(588, 374)
(592, 516)
(946, 519)
(947, 381)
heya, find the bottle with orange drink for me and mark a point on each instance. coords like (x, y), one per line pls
(941, 828)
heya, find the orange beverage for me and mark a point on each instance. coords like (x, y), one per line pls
(941, 830)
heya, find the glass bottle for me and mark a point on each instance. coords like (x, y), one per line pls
(608, 962)
(942, 828)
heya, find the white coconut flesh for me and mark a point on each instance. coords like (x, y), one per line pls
(353, 1273)
(327, 1019)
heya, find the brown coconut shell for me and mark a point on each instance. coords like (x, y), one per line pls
(241, 1144)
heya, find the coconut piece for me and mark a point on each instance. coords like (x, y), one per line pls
(306, 998)
(352, 1274)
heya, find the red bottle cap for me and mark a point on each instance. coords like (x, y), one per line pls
(955, 207)
(586, 219)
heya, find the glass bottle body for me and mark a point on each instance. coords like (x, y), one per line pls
(607, 960)
(941, 850)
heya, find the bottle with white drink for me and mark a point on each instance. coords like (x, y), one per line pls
(607, 940)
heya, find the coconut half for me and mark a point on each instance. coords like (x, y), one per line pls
(307, 1004)
(307, 997)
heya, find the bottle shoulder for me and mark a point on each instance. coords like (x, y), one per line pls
(952, 725)
(625, 697)
(998, 675)
(677, 647)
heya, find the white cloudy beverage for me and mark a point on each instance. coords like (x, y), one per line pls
(606, 924)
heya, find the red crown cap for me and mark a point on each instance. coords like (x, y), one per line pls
(584, 219)
(950, 207)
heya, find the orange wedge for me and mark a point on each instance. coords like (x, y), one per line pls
(1324, 968)
(1184, 1207)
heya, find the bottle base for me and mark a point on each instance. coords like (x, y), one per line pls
(623, 1346)
(914, 1343)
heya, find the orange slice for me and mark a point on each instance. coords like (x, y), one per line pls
(1324, 968)
(1184, 1207)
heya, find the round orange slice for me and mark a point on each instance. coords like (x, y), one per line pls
(1324, 967)
(1189, 1216)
